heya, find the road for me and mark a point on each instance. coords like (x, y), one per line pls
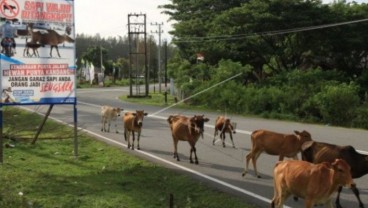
(218, 167)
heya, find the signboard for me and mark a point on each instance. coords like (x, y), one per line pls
(41, 69)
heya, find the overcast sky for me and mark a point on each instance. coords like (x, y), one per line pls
(110, 17)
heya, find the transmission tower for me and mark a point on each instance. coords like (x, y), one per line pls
(138, 69)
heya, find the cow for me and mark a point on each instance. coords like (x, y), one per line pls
(224, 125)
(273, 143)
(314, 182)
(187, 129)
(317, 152)
(133, 122)
(108, 114)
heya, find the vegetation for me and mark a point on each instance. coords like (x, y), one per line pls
(47, 174)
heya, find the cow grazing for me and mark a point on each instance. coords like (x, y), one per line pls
(284, 145)
(317, 152)
(133, 122)
(187, 129)
(108, 114)
(314, 182)
(224, 125)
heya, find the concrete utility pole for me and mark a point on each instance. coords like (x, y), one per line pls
(159, 31)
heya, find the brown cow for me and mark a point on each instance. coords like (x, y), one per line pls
(224, 125)
(51, 37)
(133, 122)
(317, 152)
(314, 182)
(284, 145)
(108, 114)
(187, 129)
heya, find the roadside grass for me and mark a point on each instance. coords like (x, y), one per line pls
(47, 175)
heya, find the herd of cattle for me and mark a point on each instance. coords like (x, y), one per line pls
(324, 168)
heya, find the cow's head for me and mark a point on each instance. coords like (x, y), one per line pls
(342, 173)
(118, 111)
(138, 117)
(231, 125)
(197, 122)
(303, 136)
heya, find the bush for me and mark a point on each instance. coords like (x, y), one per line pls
(337, 103)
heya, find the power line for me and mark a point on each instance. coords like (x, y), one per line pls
(267, 33)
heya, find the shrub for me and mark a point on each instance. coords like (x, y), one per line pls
(337, 103)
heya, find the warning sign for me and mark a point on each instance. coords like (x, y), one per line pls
(9, 8)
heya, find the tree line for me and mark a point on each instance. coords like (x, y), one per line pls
(113, 53)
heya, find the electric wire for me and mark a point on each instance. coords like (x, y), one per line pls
(195, 39)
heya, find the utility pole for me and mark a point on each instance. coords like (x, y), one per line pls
(159, 31)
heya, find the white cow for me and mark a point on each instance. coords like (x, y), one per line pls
(109, 113)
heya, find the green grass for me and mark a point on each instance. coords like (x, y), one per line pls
(48, 175)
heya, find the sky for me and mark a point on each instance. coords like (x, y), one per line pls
(109, 18)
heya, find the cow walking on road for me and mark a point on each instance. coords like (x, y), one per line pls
(317, 152)
(133, 122)
(108, 114)
(224, 125)
(187, 129)
(315, 183)
(273, 143)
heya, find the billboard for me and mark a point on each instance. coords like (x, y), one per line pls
(38, 62)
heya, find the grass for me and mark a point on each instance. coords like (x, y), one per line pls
(47, 175)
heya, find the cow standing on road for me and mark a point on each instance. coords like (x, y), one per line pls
(108, 114)
(224, 125)
(283, 145)
(314, 182)
(317, 152)
(187, 129)
(133, 122)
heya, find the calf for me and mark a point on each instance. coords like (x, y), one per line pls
(133, 122)
(284, 145)
(224, 126)
(108, 114)
(187, 129)
(317, 152)
(314, 182)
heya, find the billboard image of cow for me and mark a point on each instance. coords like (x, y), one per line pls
(37, 57)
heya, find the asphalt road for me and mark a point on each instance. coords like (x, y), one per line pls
(219, 167)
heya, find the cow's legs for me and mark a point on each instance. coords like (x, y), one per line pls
(193, 150)
(138, 137)
(232, 141)
(356, 193)
(281, 157)
(116, 126)
(214, 137)
(133, 139)
(176, 149)
(247, 158)
(253, 155)
(309, 203)
(127, 137)
(102, 124)
(108, 126)
(254, 161)
(222, 136)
